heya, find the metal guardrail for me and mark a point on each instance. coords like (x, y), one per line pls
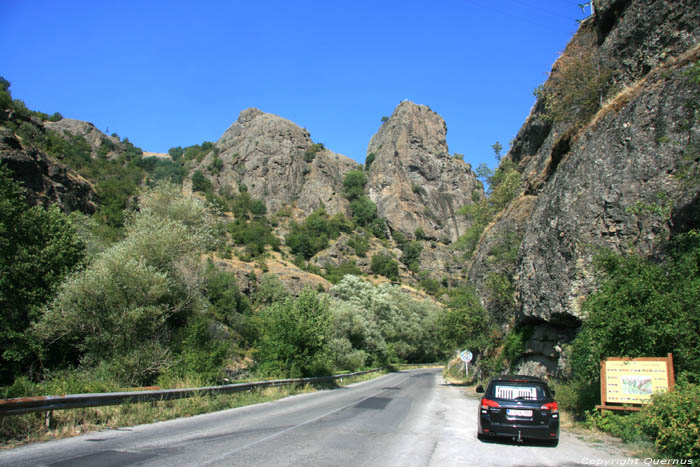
(24, 405)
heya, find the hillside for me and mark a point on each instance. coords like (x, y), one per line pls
(606, 160)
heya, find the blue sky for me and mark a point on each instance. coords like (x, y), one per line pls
(178, 73)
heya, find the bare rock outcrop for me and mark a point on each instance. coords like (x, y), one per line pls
(615, 179)
(414, 181)
(46, 181)
(278, 162)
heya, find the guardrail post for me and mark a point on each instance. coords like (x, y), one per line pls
(48, 419)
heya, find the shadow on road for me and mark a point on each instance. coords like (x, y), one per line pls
(540, 443)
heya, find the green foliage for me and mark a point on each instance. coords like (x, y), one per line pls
(673, 420)
(314, 234)
(311, 151)
(643, 308)
(465, 324)
(368, 160)
(216, 165)
(385, 119)
(359, 243)
(386, 266)
(354, 184)
(270, 290)
(38, 248)
(200, 182)
(294, 337)
(411, 254)
(195, 152)
(628, 427)
(228, 305)
(255, 235)
(504, 185)
(515, 342)
(125, 308)
(384, 323)
(334, 274)
(364, 211)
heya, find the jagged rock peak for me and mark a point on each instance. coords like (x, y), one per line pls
(412, 177)
(279, 163)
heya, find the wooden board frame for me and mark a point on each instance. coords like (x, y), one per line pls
(606, 405)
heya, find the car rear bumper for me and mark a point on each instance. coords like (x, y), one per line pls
(550, 432)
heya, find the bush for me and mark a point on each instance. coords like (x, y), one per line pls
(125, 308)
(354, 184)
(643, 308)
(673, 420)
(200, 182)
(313, 235)
(364, 211)
(385, 266)
(295, 335)
(38, 248)
(465, 323)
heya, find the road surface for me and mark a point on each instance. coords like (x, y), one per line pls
(409, 418)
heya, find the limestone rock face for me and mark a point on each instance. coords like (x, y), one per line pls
(278, 162)
(45, 180)
(414, 181)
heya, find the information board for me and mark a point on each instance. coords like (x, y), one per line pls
(634, 380)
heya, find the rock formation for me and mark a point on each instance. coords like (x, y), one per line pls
(612, 179)
(414, 180)
(46, 181)
(279, 163)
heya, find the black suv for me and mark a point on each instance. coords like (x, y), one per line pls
(519, 407)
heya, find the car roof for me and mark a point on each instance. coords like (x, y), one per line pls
(518, 379)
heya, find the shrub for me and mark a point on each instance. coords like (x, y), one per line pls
(465, 323)
(360, 244)
(38, 248)
(364, 211)
(643, 308)
(335, 273)
(313, 235)
(368, 161)
(385, 266)
(354, 184)
(124, 309)
(200, 182)
(576, 86)
(673, 420)
(311, 151)
(295, 334)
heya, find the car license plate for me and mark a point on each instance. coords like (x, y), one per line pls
(519, 413)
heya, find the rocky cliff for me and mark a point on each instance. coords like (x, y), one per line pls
(414, 181)
(606, 168)
(278, 162)
(46, 181)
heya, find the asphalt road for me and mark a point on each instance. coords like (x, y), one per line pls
(409, 418)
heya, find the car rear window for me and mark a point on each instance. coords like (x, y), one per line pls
(521, 391)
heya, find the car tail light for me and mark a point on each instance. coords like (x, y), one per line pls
(551, 406)
(486, 403)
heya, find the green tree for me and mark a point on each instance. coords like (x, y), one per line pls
(129, 307)
(354, 184)
(295, 335)
(38, 248)
(465, 324)
(386, 266)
